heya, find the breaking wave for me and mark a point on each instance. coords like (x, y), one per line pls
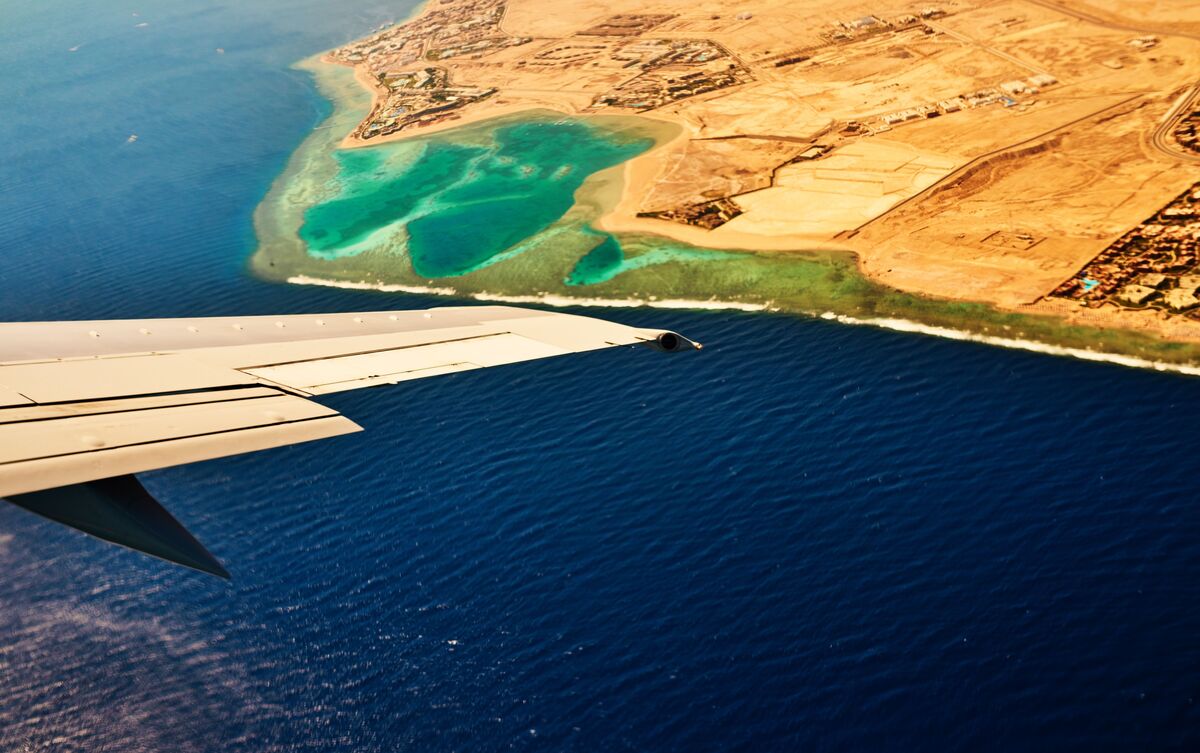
(906, 325)
(547, 299)
(897, 325)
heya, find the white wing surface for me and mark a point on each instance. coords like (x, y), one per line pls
(81, 402)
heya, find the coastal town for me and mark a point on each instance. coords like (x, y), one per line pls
(1155, 265)
(409, 91)
(991, 150)
(417, 97)
(653, 72)
(1187, 131)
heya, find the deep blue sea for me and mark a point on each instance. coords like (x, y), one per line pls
(809, 536)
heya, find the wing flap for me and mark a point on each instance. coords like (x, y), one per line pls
(53, 452)
(34, 412)
(80, 434)
(98, 378)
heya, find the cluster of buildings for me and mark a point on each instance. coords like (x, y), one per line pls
(468, 27)
(565, 54)
(707, 214)
(1031, 85)
(476, 47)
(671, 70)
(1187, 131)
(858, 29)
(867, 26)
(1005, 94)
(624, 25)
(416, 98)
(1155, 265)
(421, 78)
(422, 96)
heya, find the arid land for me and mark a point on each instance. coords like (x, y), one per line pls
(1036, 155)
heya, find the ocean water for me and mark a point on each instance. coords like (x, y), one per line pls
(809, 536)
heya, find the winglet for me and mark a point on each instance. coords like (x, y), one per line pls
(120, 510)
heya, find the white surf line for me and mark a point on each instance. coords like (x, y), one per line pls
(381, 287)
(905, 325)
(897, 325)
(665, 303)
(548, 299)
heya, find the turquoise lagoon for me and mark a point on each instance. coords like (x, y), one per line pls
(502, 207)
(462, 206)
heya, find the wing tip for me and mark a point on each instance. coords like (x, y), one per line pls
(667, 341)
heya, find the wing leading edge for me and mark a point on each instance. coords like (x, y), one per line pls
(84, 405)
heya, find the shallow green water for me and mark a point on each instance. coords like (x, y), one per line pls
(609, 258)
(462, 205)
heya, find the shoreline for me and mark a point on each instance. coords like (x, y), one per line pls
(618, 215)
(799, 275)
(895, 325)
(547, 299)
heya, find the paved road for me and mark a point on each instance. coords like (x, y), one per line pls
(1162, 139)
(965, 168)
(1140, 28)
(998, 53)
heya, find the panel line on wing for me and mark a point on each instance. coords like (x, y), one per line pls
(324, 375)
(166, 440)
(101, 378)
(354, 354)
(395, 377)
(133, 404)
(71, 435)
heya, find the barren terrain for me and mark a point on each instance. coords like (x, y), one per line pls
(984, 150)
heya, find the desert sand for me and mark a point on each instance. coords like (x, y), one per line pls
(981, 150)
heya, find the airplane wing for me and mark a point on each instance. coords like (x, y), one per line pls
(85, 405)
